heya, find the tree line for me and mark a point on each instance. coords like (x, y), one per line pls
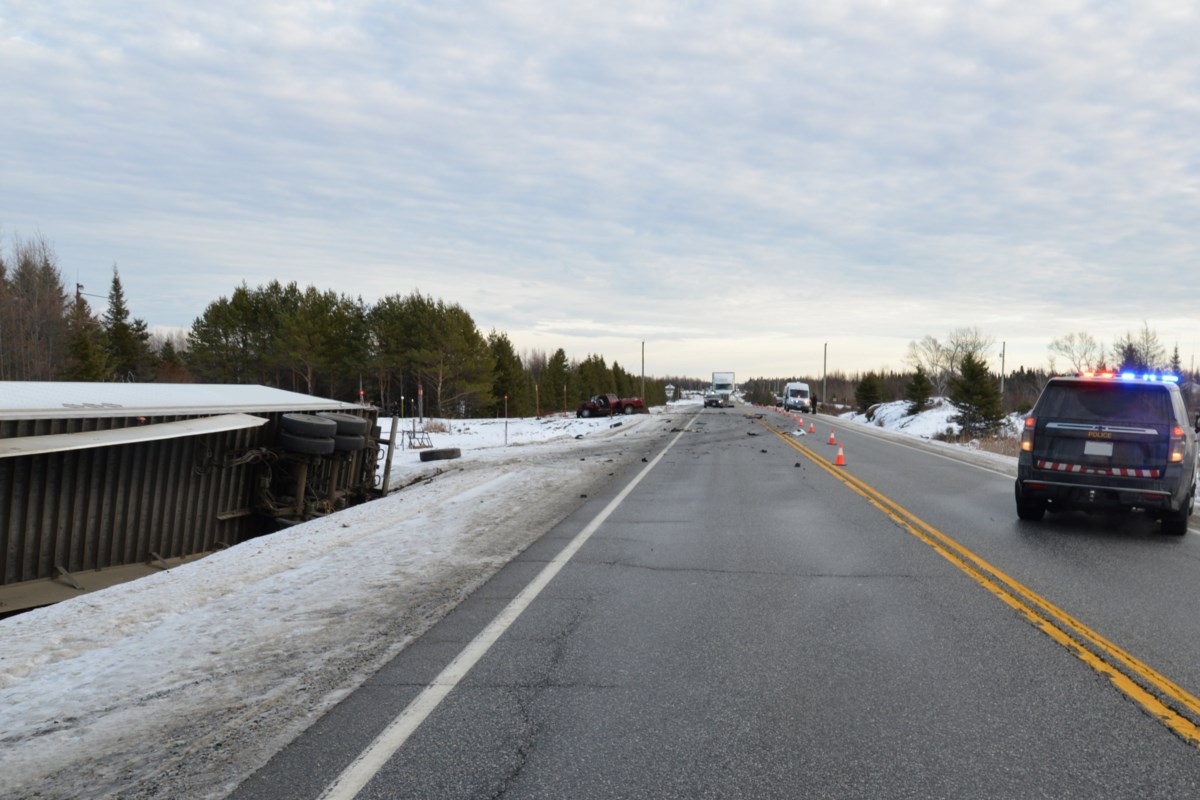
(410, 349)
(957, 368)
(403, 353)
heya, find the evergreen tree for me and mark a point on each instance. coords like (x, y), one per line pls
(509, 379)
(230, 341)
(349, 355)
(171, 366)
(976, 392)
(869, 391)
(87, 358)
(1127, 356)
(306, 337)
(126, 340)
(596, 378)
(554, 384)
(918, 391)
(463, 373)
(387, 325)
(624, 384)
(1023, 387)
(758, 391)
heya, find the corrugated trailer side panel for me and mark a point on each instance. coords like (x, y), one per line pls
(98, 507)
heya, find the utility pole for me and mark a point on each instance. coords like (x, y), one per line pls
(825, 376)
(1002, 351)
(643, 370)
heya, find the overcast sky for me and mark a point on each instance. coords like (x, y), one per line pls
(735, 184)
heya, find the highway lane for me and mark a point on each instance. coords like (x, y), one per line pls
(744, 624)
(1117, 573)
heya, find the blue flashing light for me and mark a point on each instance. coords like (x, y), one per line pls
(1165, 377)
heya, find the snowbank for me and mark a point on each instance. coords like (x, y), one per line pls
(183, 683)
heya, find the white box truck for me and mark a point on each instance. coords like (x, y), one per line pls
(723, 386)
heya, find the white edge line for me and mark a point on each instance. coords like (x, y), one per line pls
(360, 771)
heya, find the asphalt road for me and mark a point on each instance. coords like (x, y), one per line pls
(751, 622)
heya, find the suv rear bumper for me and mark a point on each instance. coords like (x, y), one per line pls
(1090, 491)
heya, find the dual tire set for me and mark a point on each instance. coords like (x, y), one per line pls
(323, 433)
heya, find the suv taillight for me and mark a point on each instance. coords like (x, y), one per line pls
(1178, 445)
(1027, 436)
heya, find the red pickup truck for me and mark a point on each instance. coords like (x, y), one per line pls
(603, 405)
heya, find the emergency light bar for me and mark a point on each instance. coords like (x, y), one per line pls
(1133, 376)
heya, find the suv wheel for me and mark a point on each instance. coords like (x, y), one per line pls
(1175, 523)
(1029, 510)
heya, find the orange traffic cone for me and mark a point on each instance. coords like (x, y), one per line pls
(812, 428)
(832, 440)
(840, 461)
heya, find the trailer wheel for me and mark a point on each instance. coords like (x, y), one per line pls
(628, 409)
(441, 454)
(348, 443)
(585, 412)
(306, 445)
(308, 425)
(347, 424)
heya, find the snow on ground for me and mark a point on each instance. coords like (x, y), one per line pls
(183, 683)
(936, 420)
(929, 429)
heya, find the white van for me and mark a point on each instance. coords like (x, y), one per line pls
(797, 398)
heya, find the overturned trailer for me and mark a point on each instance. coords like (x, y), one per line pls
(103, 482)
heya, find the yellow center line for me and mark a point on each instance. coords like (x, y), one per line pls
(1136, 679)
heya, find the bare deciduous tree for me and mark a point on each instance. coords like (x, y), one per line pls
(1080, 349)
(940, 361)
(932, 357)
(964, 342)
(33, 313)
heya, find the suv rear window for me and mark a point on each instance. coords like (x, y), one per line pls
(1111, 402)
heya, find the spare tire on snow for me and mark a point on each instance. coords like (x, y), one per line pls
(308, 424)
(440, 454)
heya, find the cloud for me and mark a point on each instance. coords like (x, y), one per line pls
(872, 171)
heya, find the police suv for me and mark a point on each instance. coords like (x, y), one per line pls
(1109, 441)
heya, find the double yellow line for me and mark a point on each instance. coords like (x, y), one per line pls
(1164, 700)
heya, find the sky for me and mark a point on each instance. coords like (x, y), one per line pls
(770, 188)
